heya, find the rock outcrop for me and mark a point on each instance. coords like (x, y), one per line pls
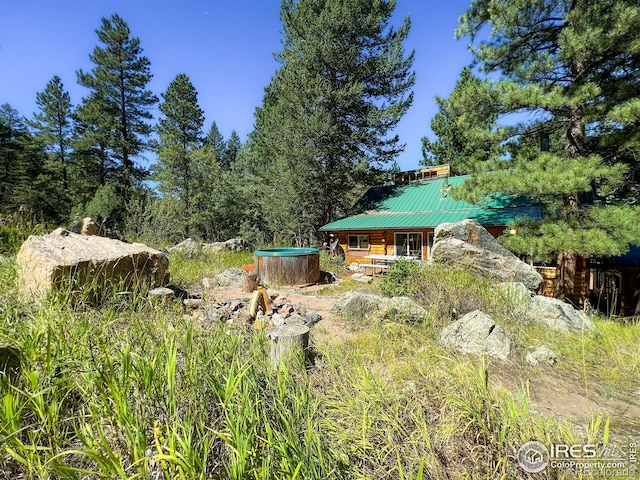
(541, 354)
(360, 305)
(231, 277)
(550, 312)
(468, 244)
(75, 264)
(558, 315)
(231, 245)
(188, 247)
(476, 332)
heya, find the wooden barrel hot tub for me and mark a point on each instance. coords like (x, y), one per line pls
(287, 266)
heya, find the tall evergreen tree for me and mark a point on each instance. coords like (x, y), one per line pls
(570, 71)
(216, 141)
(465, 127)
(52, 127)
(116, 113)
(343, 86)
(180, 131)
(232, 147)
(21, 161)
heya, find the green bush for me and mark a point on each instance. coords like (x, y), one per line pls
(106, 204)
(400, 278)
(331, 263)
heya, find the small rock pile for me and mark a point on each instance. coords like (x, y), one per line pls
(236, 313)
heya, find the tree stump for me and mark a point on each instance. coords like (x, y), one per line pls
(286, 341)
(249, 281)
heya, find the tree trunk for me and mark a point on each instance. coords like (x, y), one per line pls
(249, 282)
(563, 288)
(575, 145)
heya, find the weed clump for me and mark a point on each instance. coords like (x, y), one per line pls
(445, 291)
(331, 263)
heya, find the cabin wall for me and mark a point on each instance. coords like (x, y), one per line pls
(381, 242)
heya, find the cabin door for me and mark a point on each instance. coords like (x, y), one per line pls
(408, 244)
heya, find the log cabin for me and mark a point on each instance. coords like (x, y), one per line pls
(399, 220)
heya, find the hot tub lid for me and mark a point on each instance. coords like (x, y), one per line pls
(285, 252)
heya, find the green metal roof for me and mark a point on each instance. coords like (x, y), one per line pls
(427, 204)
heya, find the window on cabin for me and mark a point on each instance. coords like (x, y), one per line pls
(409, 244)
(358, 242)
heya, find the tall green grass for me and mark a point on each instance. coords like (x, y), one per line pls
(188, 271)
(134, 389)
(15, 229)
(129, 396)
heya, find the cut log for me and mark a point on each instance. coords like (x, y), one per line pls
(249, 281)
(288, 340)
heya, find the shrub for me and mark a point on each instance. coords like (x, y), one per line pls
(445, 291)
(331, 263)
(400, 278)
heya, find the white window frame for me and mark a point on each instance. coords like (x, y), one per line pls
(358, 242)
(406, 234)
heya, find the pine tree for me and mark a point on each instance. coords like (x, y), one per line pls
(570, 73)
(232, 147)
(115, 116)
(216, 141)
(465, 127)
(21, 161)
(180, 131)
(52, 127)
(343, 86)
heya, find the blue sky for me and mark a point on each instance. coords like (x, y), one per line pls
(226, 48)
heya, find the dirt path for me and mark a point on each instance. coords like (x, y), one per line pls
(552, 392)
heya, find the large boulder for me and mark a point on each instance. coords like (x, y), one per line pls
(468, 244)
(360, 305)
(550, 312)
(541, 354)
(67, 262)
(558, 315)
(403, 309)
(476, 332)
(232, 245)
(231, 277)
(188, 247)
